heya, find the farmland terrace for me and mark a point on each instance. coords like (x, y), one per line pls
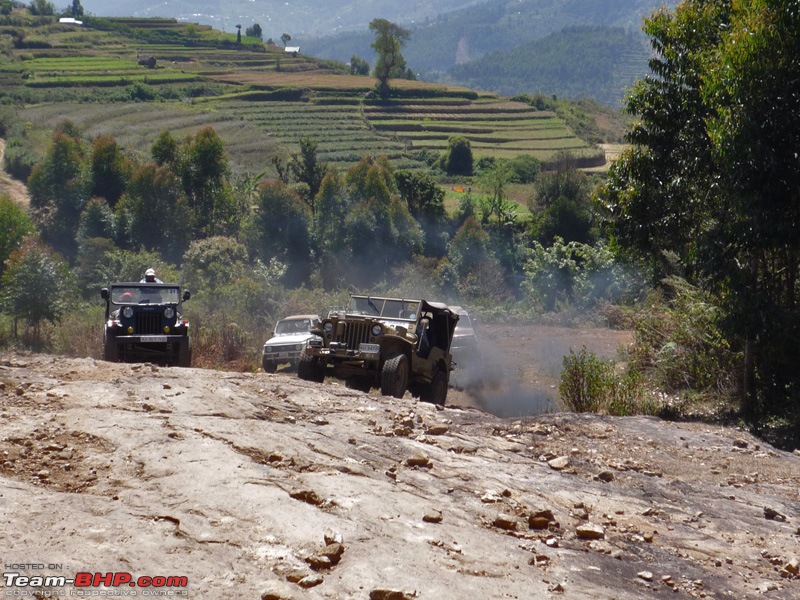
(261, 100)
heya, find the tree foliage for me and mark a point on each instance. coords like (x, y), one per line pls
(713, 175)
(254, 31)
(389, 39)
(15, 225)
(35, 284)
(59, 187)
(458, 157)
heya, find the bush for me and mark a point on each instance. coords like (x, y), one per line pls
(585, 381)
(589, 384)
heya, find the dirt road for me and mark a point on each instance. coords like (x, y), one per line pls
(265, 486)
(16, 190)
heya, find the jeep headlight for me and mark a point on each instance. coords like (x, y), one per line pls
(327, 326)
(169, 312)
(127, 312)
(377, 329)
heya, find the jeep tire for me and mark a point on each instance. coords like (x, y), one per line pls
(394, 376)
(436, 391)
(185, 353)
(268, 365)
(110, 350)
(310, 367)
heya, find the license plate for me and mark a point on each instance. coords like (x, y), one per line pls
(369, 348)
(283, 355)
(153, 338)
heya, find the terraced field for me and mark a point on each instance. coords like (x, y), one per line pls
(261, 100)
(495, 127)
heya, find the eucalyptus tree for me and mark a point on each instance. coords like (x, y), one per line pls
(713, 175)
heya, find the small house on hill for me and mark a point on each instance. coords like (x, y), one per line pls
(293, 50)
(70, 21)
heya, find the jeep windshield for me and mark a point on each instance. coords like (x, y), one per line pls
(145, 294)
(384, 308)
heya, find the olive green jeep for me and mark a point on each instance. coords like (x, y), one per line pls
(394, 344)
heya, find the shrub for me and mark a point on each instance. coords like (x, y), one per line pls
(585, 381)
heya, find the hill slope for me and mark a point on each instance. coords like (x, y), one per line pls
(245, 483)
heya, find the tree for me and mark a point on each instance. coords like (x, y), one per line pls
(204, 172)
(213, 262)
(254, 31)
(110, 169)
(358, 66)
(285, 38)
(35, 284)
(283, 222)
(15, 225)
(156, 209)
(97, 221)
(713, 176)
(42, 8)
(308, 169)
(389, 39)
(458, 158)
(75, 9)
(59, 188)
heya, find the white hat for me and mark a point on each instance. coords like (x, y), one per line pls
(150, 273)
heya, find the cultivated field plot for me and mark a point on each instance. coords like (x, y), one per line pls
(498, 128)
(261, 100)
(135, 126)
(341, 132)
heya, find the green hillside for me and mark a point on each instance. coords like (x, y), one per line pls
(260, 99)
(578, 62)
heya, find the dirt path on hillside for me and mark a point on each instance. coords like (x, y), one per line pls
(16, 190)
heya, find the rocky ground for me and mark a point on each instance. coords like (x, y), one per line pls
(264, 486)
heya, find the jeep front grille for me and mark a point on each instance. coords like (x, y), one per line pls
(148, 323)
(355, 333)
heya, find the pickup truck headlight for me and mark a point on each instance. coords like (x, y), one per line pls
(377, 329)
(127, 312)
(169, 312)
(327, 326)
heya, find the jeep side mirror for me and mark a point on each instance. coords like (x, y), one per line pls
(104, 293)
(186, 295)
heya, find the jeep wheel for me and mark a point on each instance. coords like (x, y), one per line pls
(394, 376)
(310, 367)
(185, 354)
(110, 351)
(268, 365)
(436, 391)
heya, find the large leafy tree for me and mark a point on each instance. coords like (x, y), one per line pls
(35, 284)
(389, 39)
(308, 169)
(713, 176)
(59, 188)
(156, 212)
(15, 224)
(283, 222)
(110, 169)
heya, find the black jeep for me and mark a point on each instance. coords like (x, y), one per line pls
(144, 323)
(395, 344)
